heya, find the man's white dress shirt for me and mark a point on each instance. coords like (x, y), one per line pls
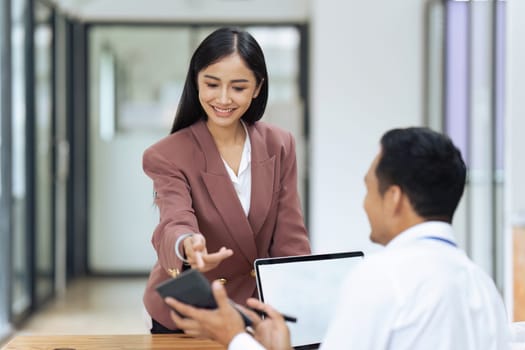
(419, 292)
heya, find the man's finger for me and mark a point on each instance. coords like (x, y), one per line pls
(258, 305)
(192, 332)
(219, 293)
(272, 313)
(252, 315)
(188, 325)
(181, 322)
(184, 309)
(176, 317)
(255, 303)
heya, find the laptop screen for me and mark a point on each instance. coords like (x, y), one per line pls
(305, 287)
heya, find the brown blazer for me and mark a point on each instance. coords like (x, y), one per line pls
(194, 193)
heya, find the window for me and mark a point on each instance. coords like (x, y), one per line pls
(471, 92)
(5, 194)
(20, 283)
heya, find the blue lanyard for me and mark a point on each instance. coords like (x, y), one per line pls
(444, 240)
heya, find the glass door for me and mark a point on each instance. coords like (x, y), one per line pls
(5, 166)
(43, 150)
(20, 273)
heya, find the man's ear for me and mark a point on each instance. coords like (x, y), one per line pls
(394, 199)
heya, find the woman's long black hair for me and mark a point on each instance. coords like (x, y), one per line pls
(221, 43)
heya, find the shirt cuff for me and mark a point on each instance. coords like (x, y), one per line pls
(244, 341)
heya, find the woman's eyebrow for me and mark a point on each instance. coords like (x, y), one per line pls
(211, 77)
(233, 81)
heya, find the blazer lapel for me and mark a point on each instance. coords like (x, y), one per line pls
(223, 195)
(262, 180)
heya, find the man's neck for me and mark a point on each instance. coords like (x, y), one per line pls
(404, 223)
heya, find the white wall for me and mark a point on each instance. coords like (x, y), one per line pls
(516, 105)
(366, 77)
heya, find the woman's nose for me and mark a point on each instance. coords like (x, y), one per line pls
(224, 96)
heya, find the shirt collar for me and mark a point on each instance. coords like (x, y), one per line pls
(429, 228)
(246, 152)
(246, 159)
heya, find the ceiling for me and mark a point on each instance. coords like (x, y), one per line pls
(187, 10)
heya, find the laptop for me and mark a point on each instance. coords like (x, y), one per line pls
(305, 287)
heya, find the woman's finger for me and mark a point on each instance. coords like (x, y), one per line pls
(217, 257)
(198, 246)
(198, 260)
(198, 242)
(188, 248)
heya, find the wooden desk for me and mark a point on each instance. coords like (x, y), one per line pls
(110, 342)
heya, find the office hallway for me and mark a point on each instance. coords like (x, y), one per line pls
(93, 305)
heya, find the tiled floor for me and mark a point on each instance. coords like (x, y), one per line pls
(93, 306)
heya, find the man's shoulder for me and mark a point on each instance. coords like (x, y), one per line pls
(376, 264)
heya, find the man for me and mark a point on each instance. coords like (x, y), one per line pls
(421, 291)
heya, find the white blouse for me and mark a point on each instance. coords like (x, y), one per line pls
(243, 181)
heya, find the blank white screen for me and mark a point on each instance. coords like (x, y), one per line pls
(307, 290)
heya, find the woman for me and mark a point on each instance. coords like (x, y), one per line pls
(225, 183)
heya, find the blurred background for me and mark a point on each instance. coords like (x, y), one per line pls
(87, 85)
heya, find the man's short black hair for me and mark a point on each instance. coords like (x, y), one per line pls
(426, 166)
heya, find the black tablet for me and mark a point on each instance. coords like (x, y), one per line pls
(191, 287)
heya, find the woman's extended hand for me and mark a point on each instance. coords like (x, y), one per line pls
(198, 256)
